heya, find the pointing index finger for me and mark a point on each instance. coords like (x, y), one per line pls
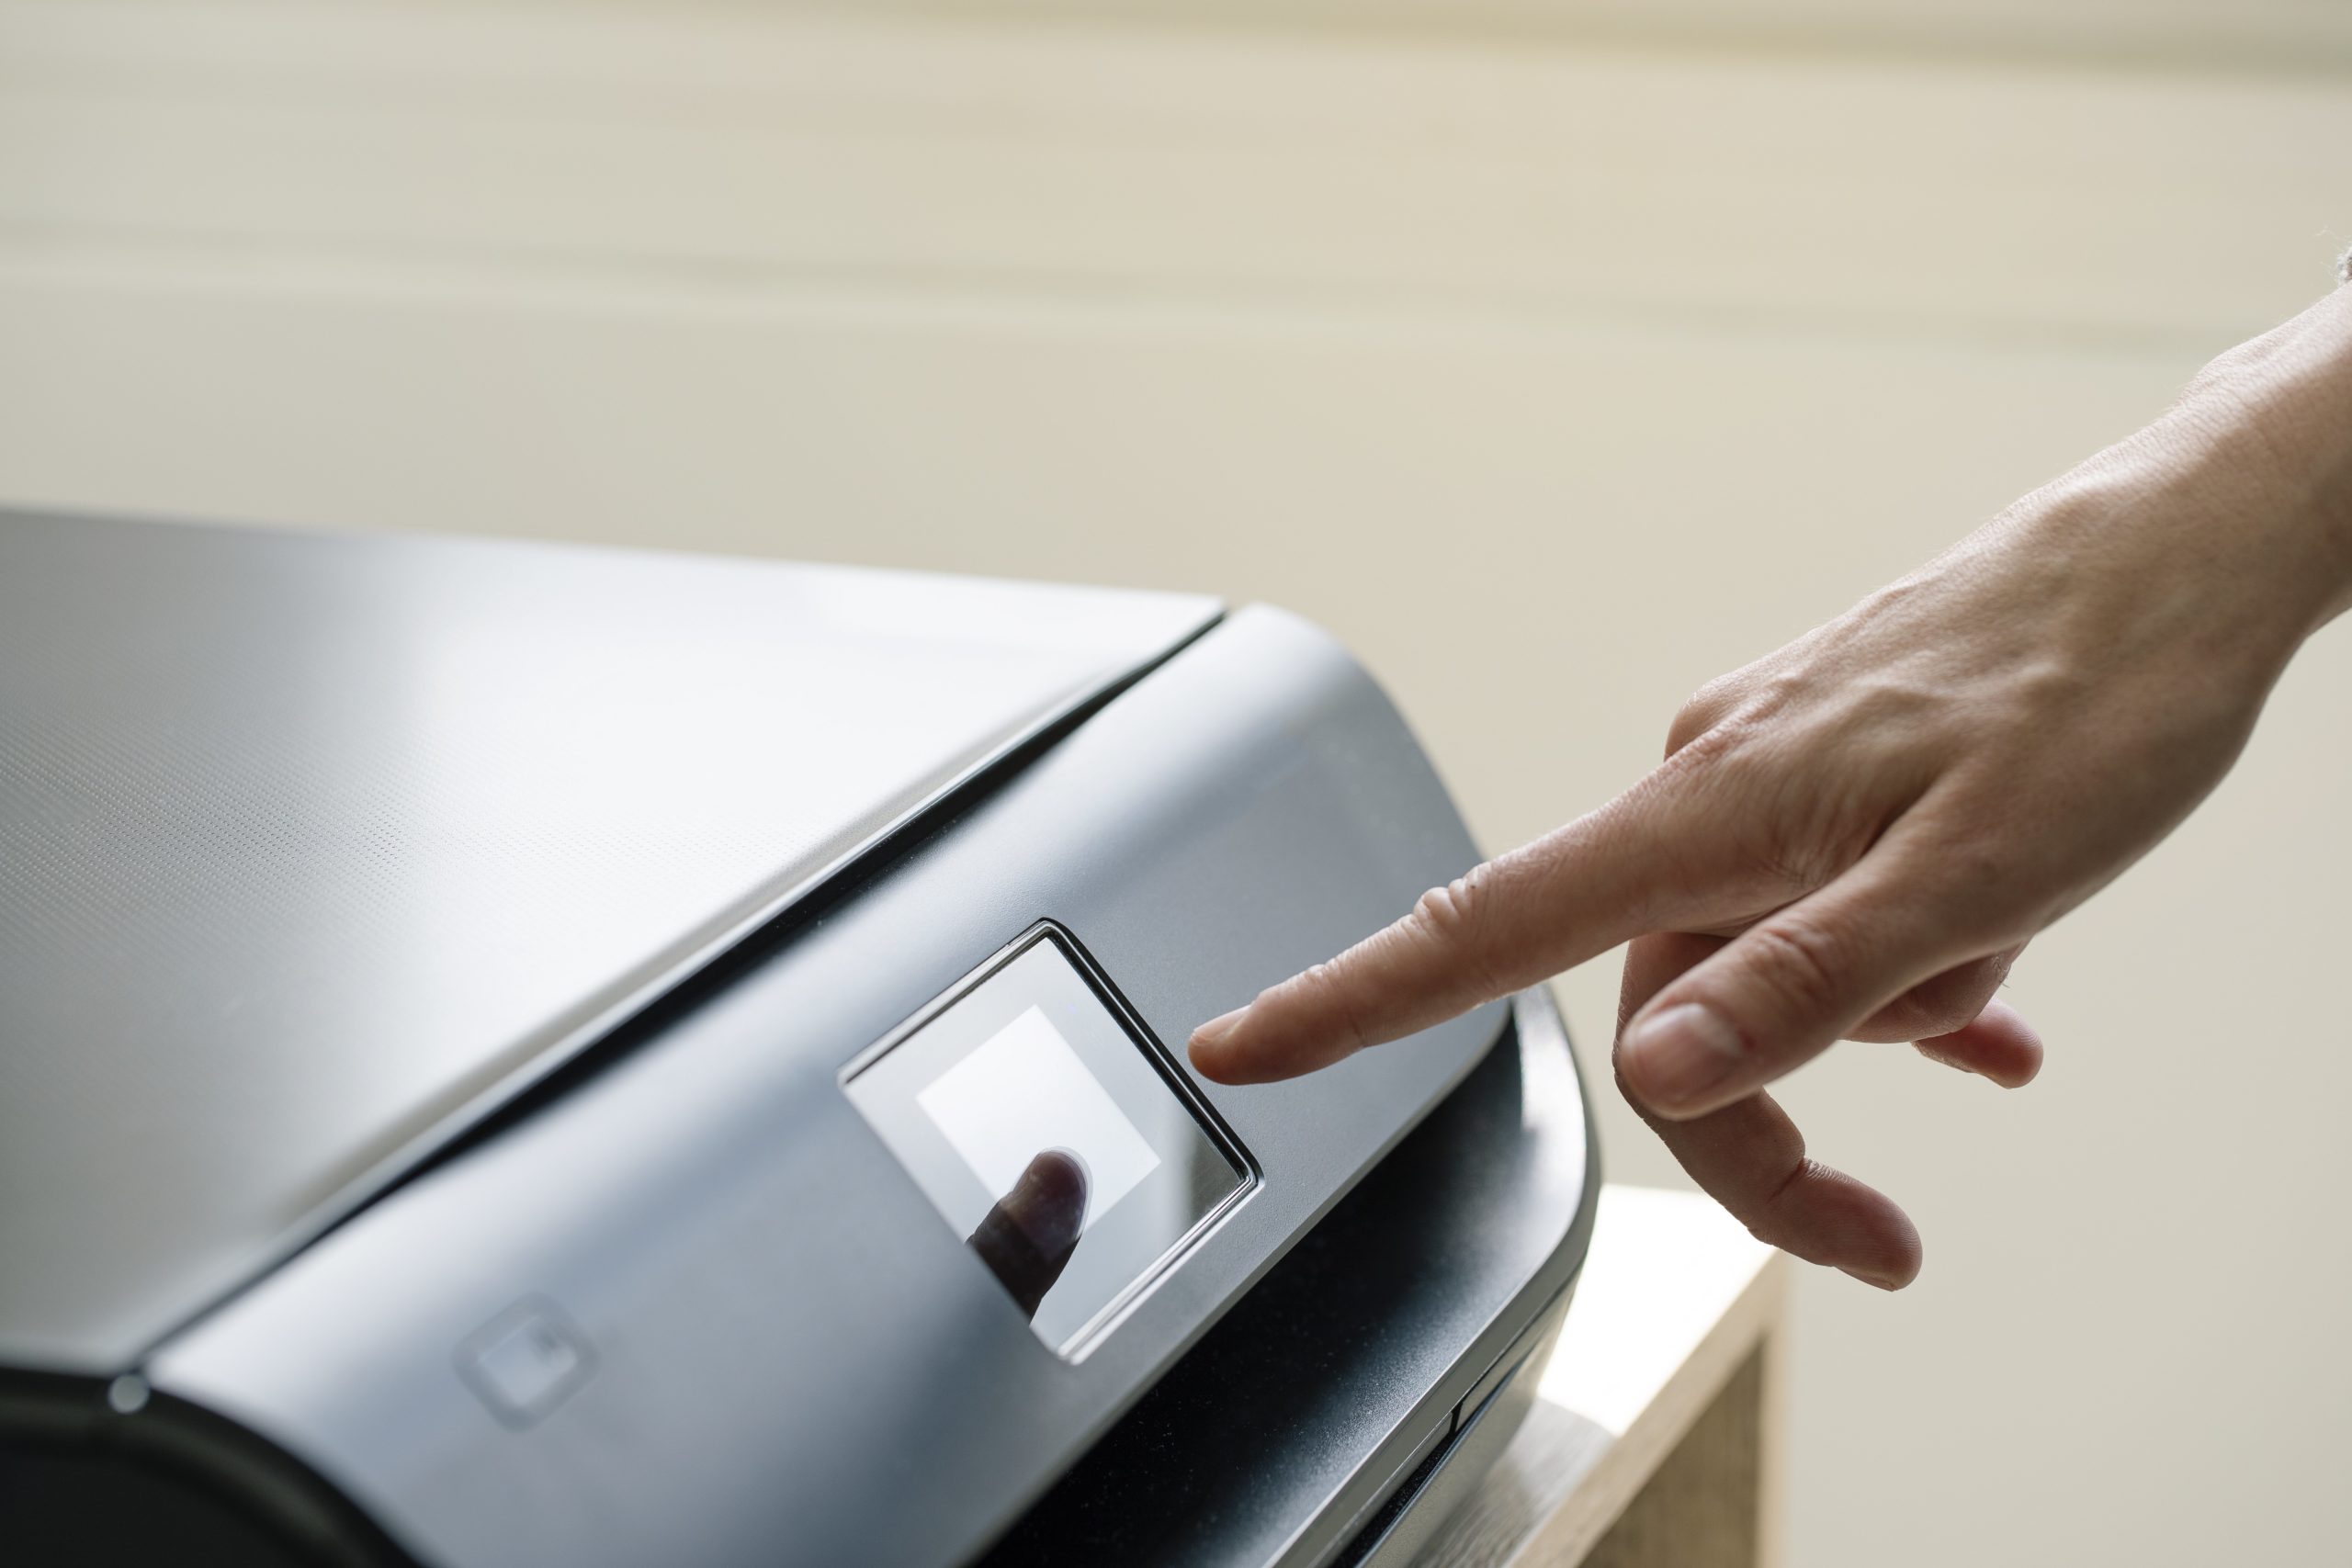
(1518, 919)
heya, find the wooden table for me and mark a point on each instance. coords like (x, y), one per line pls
(1655, 1437)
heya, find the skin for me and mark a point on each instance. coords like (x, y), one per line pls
(1855, 837)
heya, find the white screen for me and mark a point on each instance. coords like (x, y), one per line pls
(1025, 1091)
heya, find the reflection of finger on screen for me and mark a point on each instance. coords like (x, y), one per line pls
(1049, 1202)
(1027, 1238)
(1026, 1089)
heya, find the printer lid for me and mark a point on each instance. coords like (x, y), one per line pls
(314, 849)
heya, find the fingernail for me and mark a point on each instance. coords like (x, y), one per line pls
(1212, 1033)
(1680, 1053)
(1878, 1282)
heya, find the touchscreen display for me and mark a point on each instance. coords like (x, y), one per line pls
(1024, 1093)
(1053, 1138)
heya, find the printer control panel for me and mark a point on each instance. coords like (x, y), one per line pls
(1052, 1134)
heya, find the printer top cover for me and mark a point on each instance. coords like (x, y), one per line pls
(311, 846)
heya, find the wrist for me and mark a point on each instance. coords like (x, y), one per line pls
(2275, 420)
(2236, 505)
(2210, 544)
(2333, 488)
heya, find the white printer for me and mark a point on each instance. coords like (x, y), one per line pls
(514, 1055)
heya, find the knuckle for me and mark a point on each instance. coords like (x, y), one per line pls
(1802, 830)
(1768, 1216)
(1912, 1018)
(1690, 721)
(1766, 1223)
(1454, 917)
(1984, 893)
(1947, 1001)
(1705, 709)
(1335, 999)
(1446, 912)
(1826, 818)
(1802, 963)
(1808, 850)
(1706, 752)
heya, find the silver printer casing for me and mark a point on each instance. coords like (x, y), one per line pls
(400, 933)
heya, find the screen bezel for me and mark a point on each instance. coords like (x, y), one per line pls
(1083, 1339)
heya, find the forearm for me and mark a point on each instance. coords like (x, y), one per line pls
(2327, 429)
(2211, 543)
(2276, 426)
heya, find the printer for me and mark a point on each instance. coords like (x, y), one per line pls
(518, 1055)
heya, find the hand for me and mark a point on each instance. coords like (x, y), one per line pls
(1855, 837)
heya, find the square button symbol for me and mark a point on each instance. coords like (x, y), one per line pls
(525, 1361)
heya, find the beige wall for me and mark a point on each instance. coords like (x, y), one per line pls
(1556, 375)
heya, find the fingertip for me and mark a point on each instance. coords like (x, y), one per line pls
(1997, 1045)
(1048, 1202)
(1831, 1218)
(1266, 1042)
(2023, 1041)
(1898, 1267)
(1887, 1253)
(1888, 1283)
(1211, 1050)
(1058, 1177)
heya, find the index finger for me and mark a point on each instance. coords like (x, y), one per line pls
(1520, 918)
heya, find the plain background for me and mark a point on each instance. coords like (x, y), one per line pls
(1558, 357)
